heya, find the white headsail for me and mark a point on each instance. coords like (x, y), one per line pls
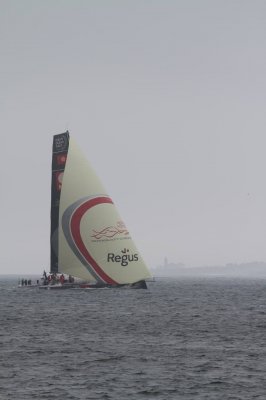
(93, 241)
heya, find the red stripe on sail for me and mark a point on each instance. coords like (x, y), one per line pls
(75, 230)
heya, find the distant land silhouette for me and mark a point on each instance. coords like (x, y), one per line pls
(249, 269)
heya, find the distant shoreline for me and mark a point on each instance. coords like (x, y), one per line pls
(253, 269)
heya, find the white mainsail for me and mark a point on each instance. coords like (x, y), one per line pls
(93, 242)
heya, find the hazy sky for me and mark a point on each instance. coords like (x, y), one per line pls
(167, 100)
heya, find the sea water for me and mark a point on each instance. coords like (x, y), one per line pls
(180, 339)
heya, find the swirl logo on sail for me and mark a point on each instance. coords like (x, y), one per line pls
(110, 231)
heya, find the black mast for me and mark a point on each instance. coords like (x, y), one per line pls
(60, 149)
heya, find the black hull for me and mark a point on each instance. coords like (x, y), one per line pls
(136, 285)
(139, 285)
(59, 286)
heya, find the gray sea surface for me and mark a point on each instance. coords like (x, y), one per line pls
(180, 339)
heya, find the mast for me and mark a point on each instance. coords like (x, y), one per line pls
(59, 157)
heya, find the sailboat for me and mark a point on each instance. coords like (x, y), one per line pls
(88, 240)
